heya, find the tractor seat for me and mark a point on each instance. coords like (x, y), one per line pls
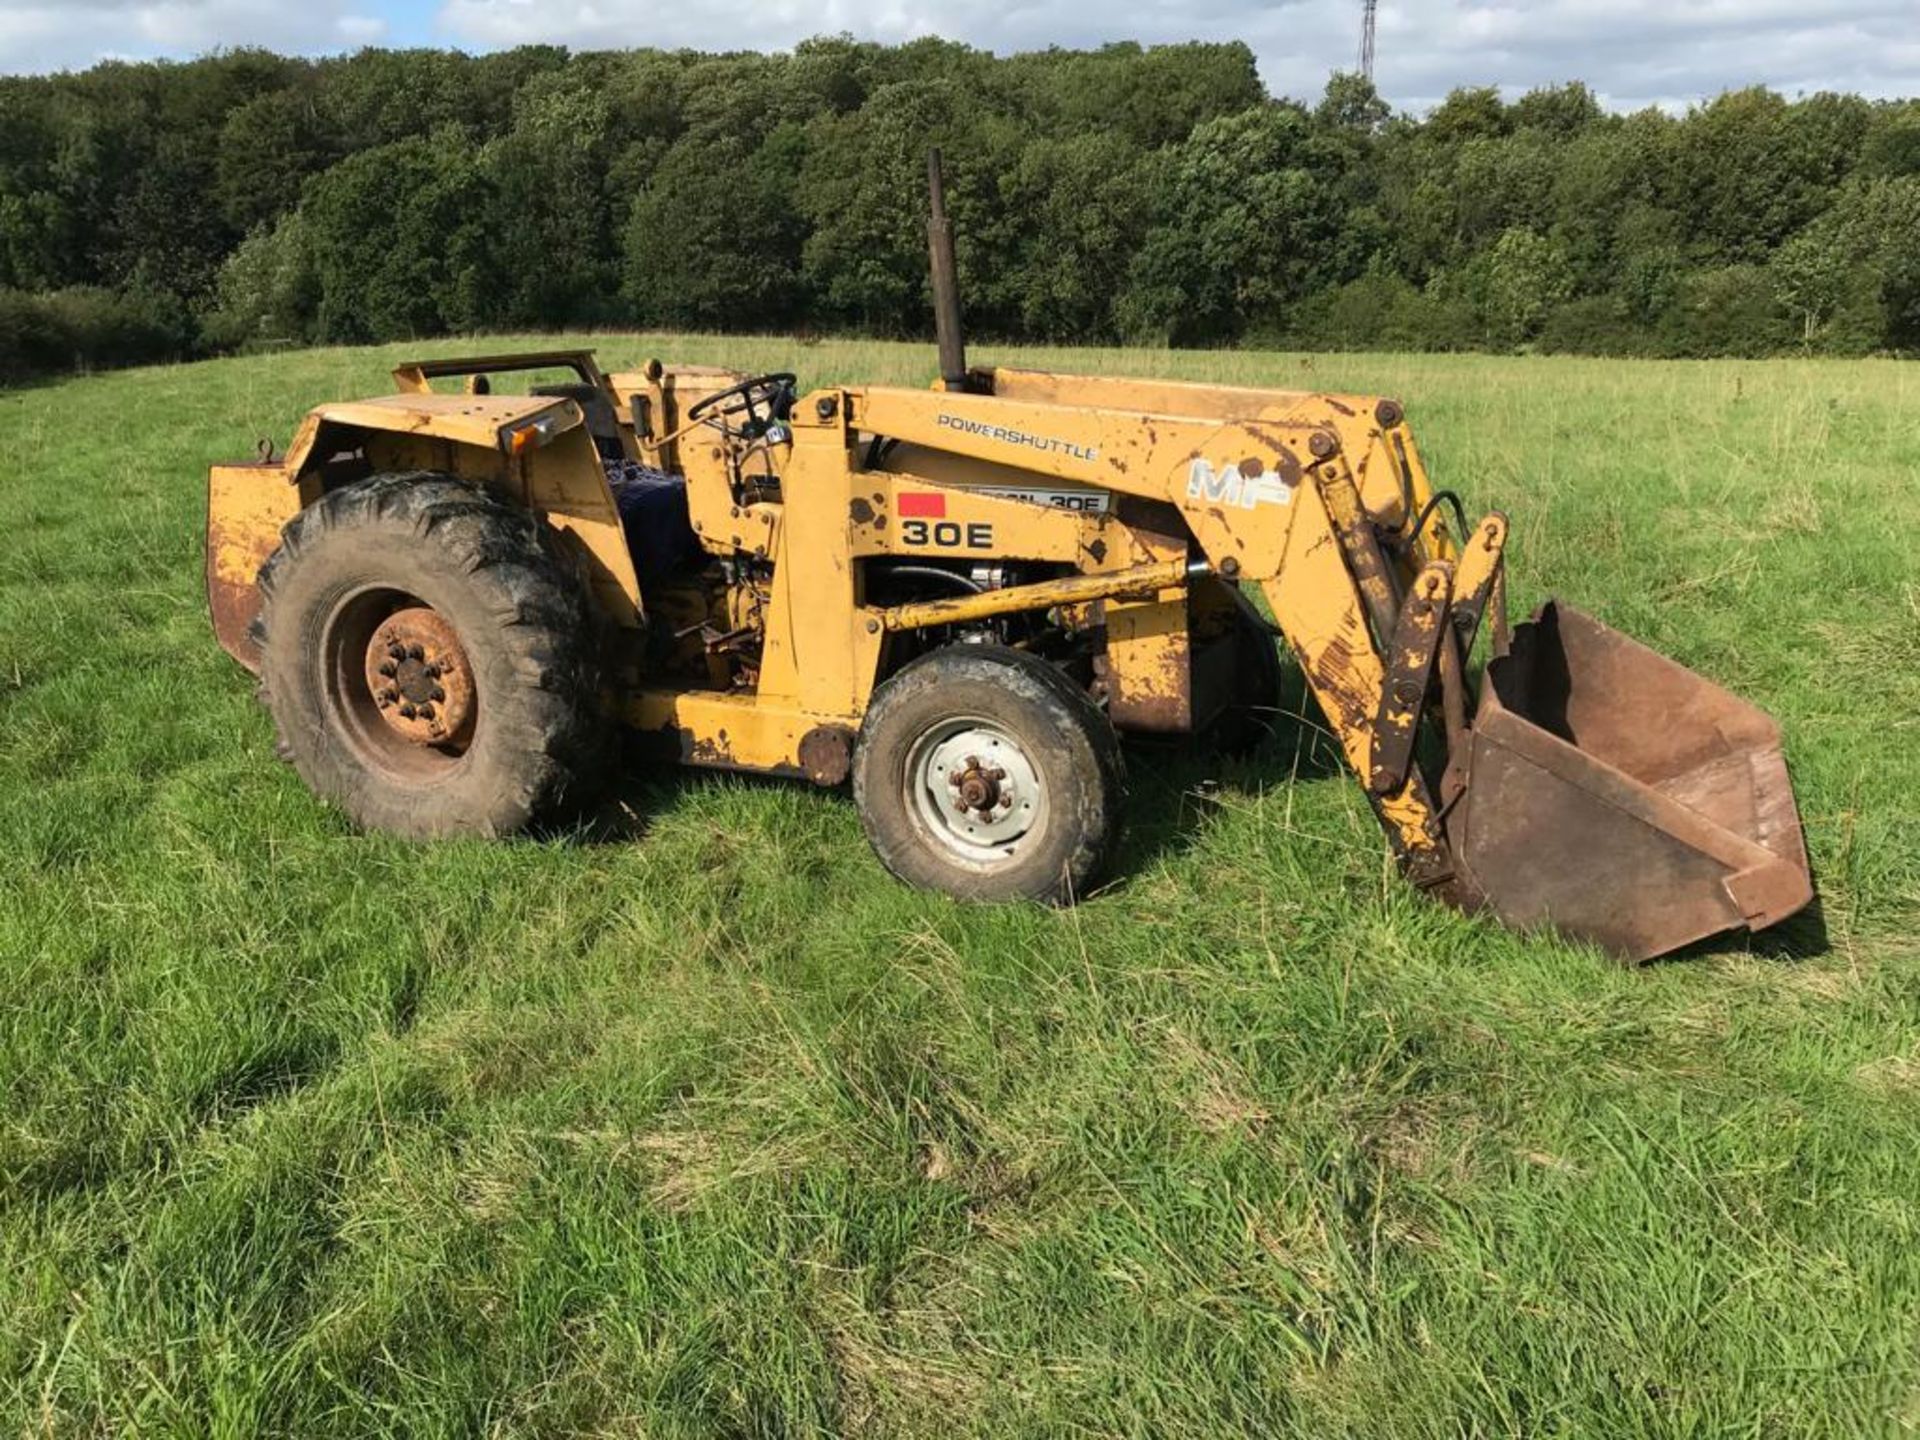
(653, 513)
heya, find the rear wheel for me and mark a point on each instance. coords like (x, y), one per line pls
(986, 773)
(427, 660)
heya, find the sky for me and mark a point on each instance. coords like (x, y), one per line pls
(1631, 52)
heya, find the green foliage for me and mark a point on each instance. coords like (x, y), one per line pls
(268, 290)
(1750, 168)
(269, 147)
(1148, 98)
(861, 195)
(1561, 110)
(1083, 203)
(1592, 325)
(1734, 310)
(86, 328)
(399, 239)
(1814, 275)
(1381, 311)
(550, 243)
(1893, 147)
(1855, 272)
(1248, 223)
(1468, 114)
(1156, 192)
(712, 241)
(1518, 284)
(1352, 103)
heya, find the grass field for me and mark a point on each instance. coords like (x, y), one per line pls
(716, 1130)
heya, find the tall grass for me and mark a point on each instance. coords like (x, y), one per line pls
(711, 1128)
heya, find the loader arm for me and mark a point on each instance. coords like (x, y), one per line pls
(1589, 784)
(1253, 494)
(1379, 447)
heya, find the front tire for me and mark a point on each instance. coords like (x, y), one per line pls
(986, 773)
(428, 662)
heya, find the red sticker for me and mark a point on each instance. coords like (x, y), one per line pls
(922, 504)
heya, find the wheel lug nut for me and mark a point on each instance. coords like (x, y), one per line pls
(389, 669)
(397, 650)
(416, 652)
(407, 712)
(438, 695)
(426, 712)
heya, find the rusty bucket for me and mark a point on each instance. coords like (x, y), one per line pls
(1621, 798)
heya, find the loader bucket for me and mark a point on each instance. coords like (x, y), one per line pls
(1621, 798)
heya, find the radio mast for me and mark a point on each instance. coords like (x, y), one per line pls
(1366, 39)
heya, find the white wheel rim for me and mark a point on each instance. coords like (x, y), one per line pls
(974, 792)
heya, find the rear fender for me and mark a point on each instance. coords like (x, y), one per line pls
(246, 507)
(556, 473)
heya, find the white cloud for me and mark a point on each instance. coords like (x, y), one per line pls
(361, 29)
(1637, 52)
(40, 35)
(1633, 52)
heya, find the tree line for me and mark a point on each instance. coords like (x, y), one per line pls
(1127, 194)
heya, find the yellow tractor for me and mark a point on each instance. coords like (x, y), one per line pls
(960, 598)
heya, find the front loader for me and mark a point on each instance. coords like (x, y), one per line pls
(960, 598)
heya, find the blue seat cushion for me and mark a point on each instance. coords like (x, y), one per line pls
(653, 513)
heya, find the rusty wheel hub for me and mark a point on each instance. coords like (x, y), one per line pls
(420, 678)
(975, 789)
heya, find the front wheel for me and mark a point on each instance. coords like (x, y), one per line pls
(986, 773)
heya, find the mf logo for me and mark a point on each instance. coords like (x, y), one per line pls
(1246, 485)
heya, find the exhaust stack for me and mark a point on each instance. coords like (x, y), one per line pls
(946, 282)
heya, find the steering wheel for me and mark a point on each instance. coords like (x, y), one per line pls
(774, 392)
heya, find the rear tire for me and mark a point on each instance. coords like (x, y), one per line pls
(395, 558)
(986, 773)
